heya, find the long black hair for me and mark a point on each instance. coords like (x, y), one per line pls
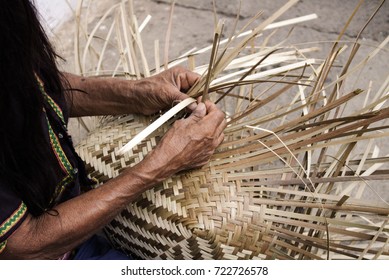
(24, 153)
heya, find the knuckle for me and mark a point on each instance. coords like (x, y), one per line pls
(196, 118)
(216, 112)
(178, 67)
(221, 114)
(179, 123)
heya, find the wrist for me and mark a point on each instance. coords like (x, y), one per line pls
(140, 177)
(155, 167)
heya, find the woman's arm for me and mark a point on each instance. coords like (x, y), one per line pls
(188, 144)
(50, 237)
(112, 96)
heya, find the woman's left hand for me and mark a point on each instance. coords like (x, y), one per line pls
(163, 90)
(112, 96)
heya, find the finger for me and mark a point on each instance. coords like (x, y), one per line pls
(214, 113)
(187, 80)
(177, 96)
(219, 130)
(210, 106)
(220, 139)
(199, 112)
(181, 97)
(192, 106)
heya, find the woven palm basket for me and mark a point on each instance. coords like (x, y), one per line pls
(297, 177)
(233, 209)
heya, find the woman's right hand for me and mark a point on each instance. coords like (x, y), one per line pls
(188, 144)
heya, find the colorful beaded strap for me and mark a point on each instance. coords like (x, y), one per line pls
(15, 217)
(11, 222)
(49, 100)
(55, 143)
(58, 151)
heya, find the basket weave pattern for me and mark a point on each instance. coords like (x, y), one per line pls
(219, 213)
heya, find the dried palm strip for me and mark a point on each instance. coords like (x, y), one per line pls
(155, 125)
(288, 125)
(157, 58)
(127, 67)
(107, 42)
(260, 62)
(242, 78)
(77, 22)
(138, 40)
(102, 54)
(92, 35)
(373, 240)
(283, 111)
(128, 39)
(224, 60)
(299, 136)
(332, 206)
(351, 146)
(278, 70)
(243, 163)
(80, 28)
(243, 33)
(167, 37)
(268, 191)
(360, 65)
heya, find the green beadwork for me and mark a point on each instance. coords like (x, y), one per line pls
(56, 145)
(13, 219)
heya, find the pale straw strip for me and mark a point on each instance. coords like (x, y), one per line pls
(144, 23)
(156, 57)
(92, 35)
(270, 26)
(155, 125)
(102, 54)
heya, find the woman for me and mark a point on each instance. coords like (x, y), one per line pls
(43, 214)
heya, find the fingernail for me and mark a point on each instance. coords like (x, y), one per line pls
(201, 106)
(192, 106)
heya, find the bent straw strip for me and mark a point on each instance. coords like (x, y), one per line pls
(268, 27)
(155, 125)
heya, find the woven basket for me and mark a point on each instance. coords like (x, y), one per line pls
(227, 210)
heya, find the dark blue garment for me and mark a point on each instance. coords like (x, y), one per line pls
(98, 248)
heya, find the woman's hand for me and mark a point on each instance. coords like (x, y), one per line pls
(112, 96)
(188, 144)
(164, 89)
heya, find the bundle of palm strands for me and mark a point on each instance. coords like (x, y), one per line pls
(286, 183)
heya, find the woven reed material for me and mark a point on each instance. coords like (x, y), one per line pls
(224, 212)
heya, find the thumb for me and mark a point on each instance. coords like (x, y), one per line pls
(199, 112)
(176, 96)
